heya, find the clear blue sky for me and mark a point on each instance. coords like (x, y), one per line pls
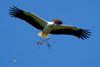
(18, 39)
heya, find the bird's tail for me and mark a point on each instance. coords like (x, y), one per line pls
(44, 35)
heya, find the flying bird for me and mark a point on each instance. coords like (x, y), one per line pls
(55, 27)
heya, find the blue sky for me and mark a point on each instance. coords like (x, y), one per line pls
(18, 39)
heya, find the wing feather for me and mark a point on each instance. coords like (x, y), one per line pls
(32, 19)
(70, 30)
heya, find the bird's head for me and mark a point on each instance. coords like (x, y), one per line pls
(57, 21)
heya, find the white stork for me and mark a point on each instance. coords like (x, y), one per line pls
(55, 27)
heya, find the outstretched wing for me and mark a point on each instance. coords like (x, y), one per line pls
(70, 30)
(32, 19)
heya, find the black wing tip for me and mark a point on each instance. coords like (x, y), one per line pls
(13, 11)
(84, 34)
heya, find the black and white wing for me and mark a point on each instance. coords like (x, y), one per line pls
(32, 19)
(70, 30)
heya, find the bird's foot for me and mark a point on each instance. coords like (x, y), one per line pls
(48, 45)
(39, 43)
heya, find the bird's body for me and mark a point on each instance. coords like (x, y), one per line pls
(47, 29)
(56, 27)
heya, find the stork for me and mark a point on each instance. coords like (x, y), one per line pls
(56, 27)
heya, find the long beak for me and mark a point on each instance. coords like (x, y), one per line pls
(54, 24)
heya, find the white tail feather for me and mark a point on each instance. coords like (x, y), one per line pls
(42, 34)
